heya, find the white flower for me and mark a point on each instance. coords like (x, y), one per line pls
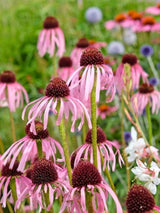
(136, 147)
(148, 175)
(129, 37)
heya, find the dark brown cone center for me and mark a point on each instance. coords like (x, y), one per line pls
(146, 88)
(57, 88)
(7, 77)
(6, 171)
(85, 174)
(101, 137)
(43, 172)
(129, 59)
(50, 22)
(91, 56)
(140, 200)
(41, 133)
(65, 62)
(82, 43)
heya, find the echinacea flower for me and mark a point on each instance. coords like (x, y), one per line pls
(148, 175)
(146, 50)
(92, 68)
(119, 20)
(146, 95)
(49, 37)
(93, 15)
(136, 72)
(65, 68)
(57, 94)
(155, 10)
(44, 182)
(140, 200)
(136, 146)
(14, 177)
(76, 53)
(115, 48)
(11, 92)
(105, 110)
(87, 180)
(97, 44)
(29, 147)
(105, 149)
(147, 24)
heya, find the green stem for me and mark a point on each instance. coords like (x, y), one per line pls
(1, 146)
(65, 145)
(84, 131)
(124, 144)
(89, 202)
(149, 124)
(55, 74)
(13, 189)
(47, 201)
(39, 148)
(65, 149)
(9, 207)
(94, 122)
(152, 67)
(12, 126)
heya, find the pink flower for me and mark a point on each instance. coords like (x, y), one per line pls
(44, 181)
(65, 68)
(120, 20)
(57, 94)
(136, 72)
(11, 92)
(87, 180)
(145, 95)
(8, 175)
(155, 10)
(76, 53)
(139, 199)
(28, 146)
(147, 23)
(105, 110)
(104, 148)
(92, 67)
(50, 36)
(98, 45)
(81, 45)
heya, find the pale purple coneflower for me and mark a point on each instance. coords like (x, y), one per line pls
(27, 146)
(11, 92)
(92, 68)
(97, 44)
(154, 10)
(11, 175)
(76, 53)
(65, 68)
(146, 95)
(57, 94)
(119, 20)
(86, 181)
(44, 182)
(104, 110)
(140, 200)
(136, 72)
(105, 149)
(49, 37)
(147, 24)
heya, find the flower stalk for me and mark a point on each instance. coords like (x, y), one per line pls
(149, 124)
(94, 122)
